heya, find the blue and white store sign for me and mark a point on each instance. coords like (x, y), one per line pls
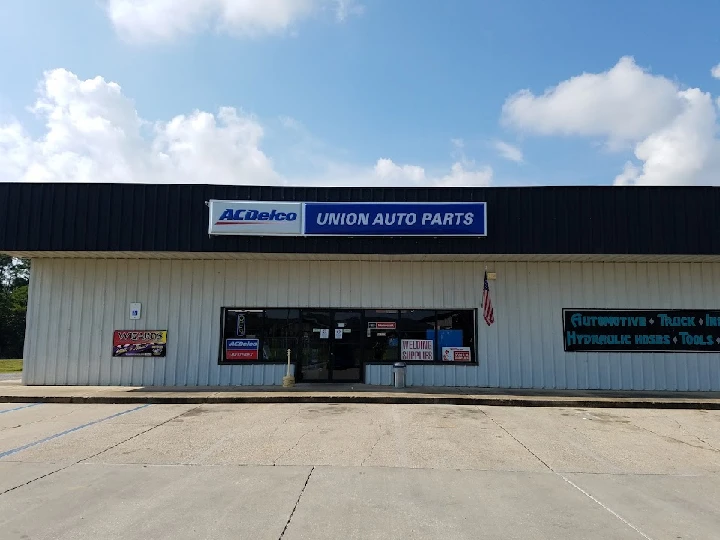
(348, 219)
(255, 218)
(395, 219)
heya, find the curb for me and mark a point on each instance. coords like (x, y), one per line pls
(637, 403)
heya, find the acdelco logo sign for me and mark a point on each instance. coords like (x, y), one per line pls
(241, 349)
(232, 216)
(256, 218)
(242, 343)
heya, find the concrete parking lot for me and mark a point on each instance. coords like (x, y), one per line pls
(293, 471)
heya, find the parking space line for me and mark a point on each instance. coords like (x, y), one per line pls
(19, 408)
(68, 431)
(625, 521)
(567, 480)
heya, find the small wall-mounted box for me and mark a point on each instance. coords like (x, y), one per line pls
(492, 275)
(135, 308)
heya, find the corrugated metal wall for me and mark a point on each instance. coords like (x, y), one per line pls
(75, 304)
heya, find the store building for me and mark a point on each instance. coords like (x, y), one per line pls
(180, 285)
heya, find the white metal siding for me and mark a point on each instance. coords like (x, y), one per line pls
(75, 304)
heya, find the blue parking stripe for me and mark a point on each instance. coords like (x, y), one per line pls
(19, 408)
(72, 430)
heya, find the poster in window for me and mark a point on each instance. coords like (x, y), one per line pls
(139, 343)
(382, 325)
(417, 349)
(241, 349)
(456, 354)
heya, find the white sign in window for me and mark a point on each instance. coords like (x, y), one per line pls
(417, 349)
(456, 354)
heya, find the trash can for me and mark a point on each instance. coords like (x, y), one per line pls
(399, 375)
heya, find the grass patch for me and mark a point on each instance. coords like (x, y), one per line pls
(10, 366)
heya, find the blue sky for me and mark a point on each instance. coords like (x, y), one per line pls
(422, 83)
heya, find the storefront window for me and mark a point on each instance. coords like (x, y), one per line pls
(417, 335)
(373, 336)
(281, 333)
(244, 323)
(242, 335)
(455, 335)
(383, 342)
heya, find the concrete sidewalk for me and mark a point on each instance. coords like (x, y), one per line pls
(14, 392)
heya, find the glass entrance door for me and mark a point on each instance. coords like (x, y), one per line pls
(316, 347)
(347, 346)
(332, 346)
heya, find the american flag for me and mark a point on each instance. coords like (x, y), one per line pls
(488, 313)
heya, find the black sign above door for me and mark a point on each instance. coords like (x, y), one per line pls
(635, 330)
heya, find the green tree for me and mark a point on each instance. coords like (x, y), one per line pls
(14, 279)
(14, 272)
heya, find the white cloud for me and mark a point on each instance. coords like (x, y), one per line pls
(509, 152)
(93, 133)
(346, 8)
(622, 104)
(162, 20)
(715, 72)
(671, 129)
(462, 173)
(683, 152)
(458, 145)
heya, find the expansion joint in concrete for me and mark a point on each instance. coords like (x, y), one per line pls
(302, 491)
